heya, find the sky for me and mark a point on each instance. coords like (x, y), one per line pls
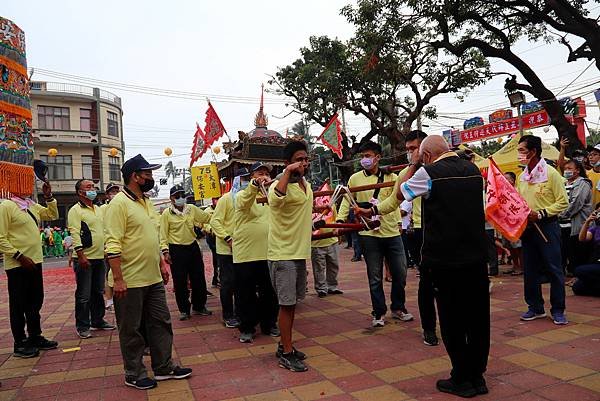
(226, 49)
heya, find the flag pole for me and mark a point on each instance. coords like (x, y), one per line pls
(539, 230)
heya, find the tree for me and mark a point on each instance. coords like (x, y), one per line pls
(491, 29)
(170, 171)
(366, 75)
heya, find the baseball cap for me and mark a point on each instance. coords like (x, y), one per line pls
(111, 186)
(137, 163)
(175, 189)
(258, 165)
(242, 172)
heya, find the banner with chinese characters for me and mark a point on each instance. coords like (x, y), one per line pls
(506, 127)
(505, 208)
(205, 181)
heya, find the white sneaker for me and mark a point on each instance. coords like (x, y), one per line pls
(378, 322)
(405, 317)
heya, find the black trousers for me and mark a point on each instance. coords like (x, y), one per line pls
(25, 299)
(463, 302)
(211, 241)
(257, 299)
(426, 295)
(187, 265)
(229, 298)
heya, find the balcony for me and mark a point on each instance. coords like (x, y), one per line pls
(63, 137)
(73, 89)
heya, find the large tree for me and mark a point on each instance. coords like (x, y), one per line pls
(390, 79)
(491, 28)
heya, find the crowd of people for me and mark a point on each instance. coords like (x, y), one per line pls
(431, 216)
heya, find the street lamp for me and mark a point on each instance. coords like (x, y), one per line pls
(516, 99)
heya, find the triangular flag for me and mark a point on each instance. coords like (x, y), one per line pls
(332, 135)
(214, 129)
(505, 208)
(199, 146)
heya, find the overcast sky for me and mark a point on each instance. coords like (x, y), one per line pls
(223, 48)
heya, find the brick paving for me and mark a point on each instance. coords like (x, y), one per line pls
(348, 360)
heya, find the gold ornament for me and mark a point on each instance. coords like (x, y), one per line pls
(499, 140)
(168, 151)
(13, 145)
(216, 150)
(52, 152)
(114, 152)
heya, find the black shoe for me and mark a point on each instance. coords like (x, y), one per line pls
(43, 343)
(465, 390)
(273, 332)
(291, 362)
(104, 326)
(321, 294)
(430, 338)
(480, 385)
(335, 291)
(202, 312)
(141, 384)
(177, 373)
(355, 259)
(23, 349)
(299, 354)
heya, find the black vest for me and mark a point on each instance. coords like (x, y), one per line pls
(453, 218)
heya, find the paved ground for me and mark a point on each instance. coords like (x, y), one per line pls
(348, 360)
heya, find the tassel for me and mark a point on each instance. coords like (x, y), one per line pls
(16, 179)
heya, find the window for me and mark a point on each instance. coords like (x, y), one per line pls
(114, 168)
(86, 167)
(59, 167)
(50, 117)
(113, 124)
(85, 116)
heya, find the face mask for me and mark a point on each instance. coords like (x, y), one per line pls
(409, 157)
(91, 195)
(147, 185)
(579, 159)
(366, 163)
(522, 157)
(568, 175)
(597, 164)
(180, 202)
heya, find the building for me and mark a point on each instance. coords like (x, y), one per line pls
(85, 126)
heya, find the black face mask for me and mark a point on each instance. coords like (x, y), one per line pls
(147, 185)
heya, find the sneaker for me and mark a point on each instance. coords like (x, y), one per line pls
(559, 318)
(378, 321)
(104, 326)
(291, 362)
(177, 373)
(355, 259)
(335, 291)
(23, 349)
(299, 354)
(231, 323)
(273, 332)
(202, 312)
(246, 337)
(141, 384)
(531, 315)
(465, 390)
(84, 334)
(480, 385)
(184, 316)
(403, 316)
(44, 344)
(321, 294)
(430, 338)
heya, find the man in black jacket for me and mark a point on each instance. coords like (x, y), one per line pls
(454, 250)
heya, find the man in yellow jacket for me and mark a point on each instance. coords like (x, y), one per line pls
(87, 229)
(182, 252)
(258, 303)
(20, 245)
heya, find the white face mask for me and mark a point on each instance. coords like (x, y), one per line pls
(409, 156)
(180, 202)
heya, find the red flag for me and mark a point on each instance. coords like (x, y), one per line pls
(332, 135)
(505, 208)
(199, 146)
(214, 129)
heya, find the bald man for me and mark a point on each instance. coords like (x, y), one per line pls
(454, 251)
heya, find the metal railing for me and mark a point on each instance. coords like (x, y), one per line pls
(62, 87)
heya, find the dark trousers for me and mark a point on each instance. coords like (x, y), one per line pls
(25, 299)
(463, 303)
(257, 299)
(187, 265)
(492, 253)
(356, 246)
(229, 298)
(426, 295)
(391, 248)
(588, 280)
(89, 299)
(578, 253)
(147, 306)
(406, 241)
(542, 261)
(211, 241)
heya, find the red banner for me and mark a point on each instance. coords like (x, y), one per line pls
(199, 147)
(214, 129)
(506, 127)
(505, 208)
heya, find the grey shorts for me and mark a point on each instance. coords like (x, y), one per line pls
(289, 280)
